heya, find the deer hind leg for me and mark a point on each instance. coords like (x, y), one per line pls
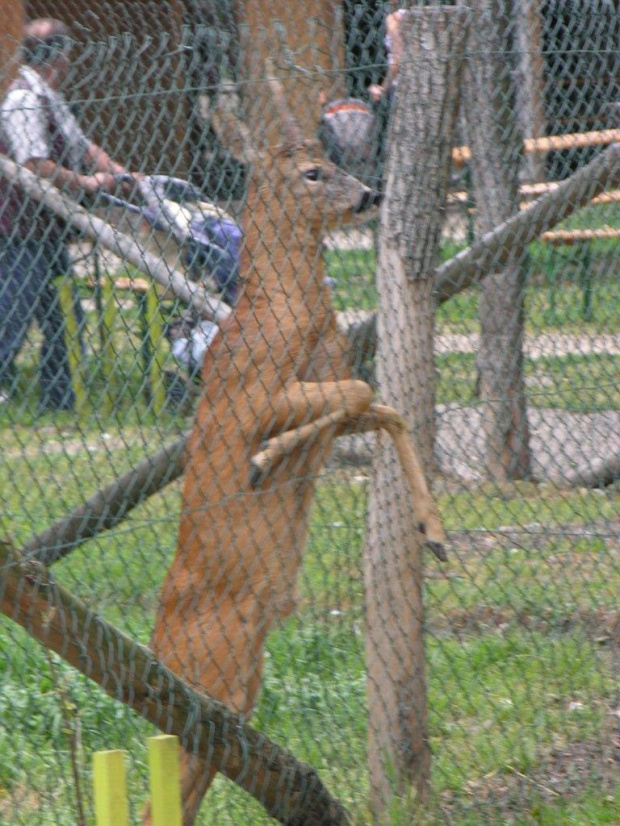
(221, 652)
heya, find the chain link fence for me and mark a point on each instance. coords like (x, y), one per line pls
(183, 338)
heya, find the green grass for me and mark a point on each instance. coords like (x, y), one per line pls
(512, 644)
(521, 648)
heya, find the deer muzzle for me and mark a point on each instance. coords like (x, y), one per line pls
(370, 198)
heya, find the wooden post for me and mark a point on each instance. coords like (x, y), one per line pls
(72, 338)
(11, 35)
(528, 19)
(165, 780)
(417, 171)
(154, 333)
(496, 150)
(107, 358)
(110, 788)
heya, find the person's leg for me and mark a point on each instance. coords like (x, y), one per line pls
(224, 263)
(54, 372)
(18, 291)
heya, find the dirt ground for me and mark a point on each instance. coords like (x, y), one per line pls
(561, 442)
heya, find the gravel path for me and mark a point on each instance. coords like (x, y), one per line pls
(561, 442)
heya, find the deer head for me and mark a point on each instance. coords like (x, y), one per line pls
(297, 171)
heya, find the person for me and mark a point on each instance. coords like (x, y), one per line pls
(39, 131)
(394, 50)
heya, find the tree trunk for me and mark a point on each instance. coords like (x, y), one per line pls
(528, 20)
(496, 147)
(290, 791)
(306, 42)
(12, 16)
(417, 172)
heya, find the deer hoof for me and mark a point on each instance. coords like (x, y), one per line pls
(257, 474)
(438, 549)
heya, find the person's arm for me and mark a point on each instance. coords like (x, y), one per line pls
(24, 124)
(65, 178)
(392, 30)
(100, 161)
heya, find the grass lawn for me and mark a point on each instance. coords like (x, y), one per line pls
(523, 625)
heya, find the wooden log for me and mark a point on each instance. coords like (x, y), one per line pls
(108, 506)
(577, 140)
(567, 237)
(417, 172)
(121, 245)
(510, 239)
(290, 791)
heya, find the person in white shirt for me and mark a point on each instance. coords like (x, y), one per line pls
(39, 131)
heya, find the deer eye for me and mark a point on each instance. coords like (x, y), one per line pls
(314, 174)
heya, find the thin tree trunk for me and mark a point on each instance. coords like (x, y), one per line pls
(290, 791)
(11, 35)
(495, 141)
(528, 20)
(306, 42)
(510, 239)
(417, 176)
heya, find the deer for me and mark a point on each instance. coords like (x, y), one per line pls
(277, 390)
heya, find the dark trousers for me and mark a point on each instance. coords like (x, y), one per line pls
(28, 293)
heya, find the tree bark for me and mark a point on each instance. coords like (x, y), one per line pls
(290, 791)
(493, 134)
(511, 238)
(12, 34)
(306, 42)
(531, 94)
(417, 170)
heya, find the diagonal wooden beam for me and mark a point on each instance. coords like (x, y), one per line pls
(290, 791)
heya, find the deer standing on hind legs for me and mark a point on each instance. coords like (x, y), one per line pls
(278, 371)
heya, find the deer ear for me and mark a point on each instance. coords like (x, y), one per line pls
(289, 127)
(234, 135)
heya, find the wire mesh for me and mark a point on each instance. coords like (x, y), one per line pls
(132, 420)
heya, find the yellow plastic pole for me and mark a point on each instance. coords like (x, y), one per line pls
(74, 352)
(108, 355)
(164, 780)
(110, 787)
(155, 333)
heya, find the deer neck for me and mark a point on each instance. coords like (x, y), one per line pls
(281, 262)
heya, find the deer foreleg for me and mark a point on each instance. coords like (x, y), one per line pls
(382, 417)
(285, 443)
(303, 402)
(376, 417)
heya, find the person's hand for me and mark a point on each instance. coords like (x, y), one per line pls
(99, 181)
(129, 181)
(376, 92)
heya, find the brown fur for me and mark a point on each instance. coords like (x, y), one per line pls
(279, 364)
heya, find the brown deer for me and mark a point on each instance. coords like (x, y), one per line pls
(278, 371)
